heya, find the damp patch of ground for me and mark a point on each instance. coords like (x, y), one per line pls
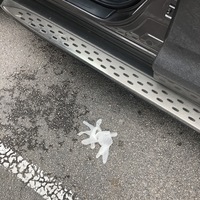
(33, 118)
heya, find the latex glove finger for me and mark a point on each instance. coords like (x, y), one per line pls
(88, 125)
(92, 146)
(99, 121)
(114, 134)
(88, 141)
(105, 156)
(84, 132)
(101, 151)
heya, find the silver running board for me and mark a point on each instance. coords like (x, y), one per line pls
(124, 74)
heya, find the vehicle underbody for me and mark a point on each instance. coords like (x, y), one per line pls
(150, 47)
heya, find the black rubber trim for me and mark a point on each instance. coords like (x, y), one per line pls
(93, 8)
(179, 58)
(117, 3)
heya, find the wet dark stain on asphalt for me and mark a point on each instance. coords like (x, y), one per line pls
(179, 144)
(57, 107)
(120, 143)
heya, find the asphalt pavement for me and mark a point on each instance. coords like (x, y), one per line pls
(45, 95)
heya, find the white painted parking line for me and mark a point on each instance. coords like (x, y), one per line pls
(33, 176)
